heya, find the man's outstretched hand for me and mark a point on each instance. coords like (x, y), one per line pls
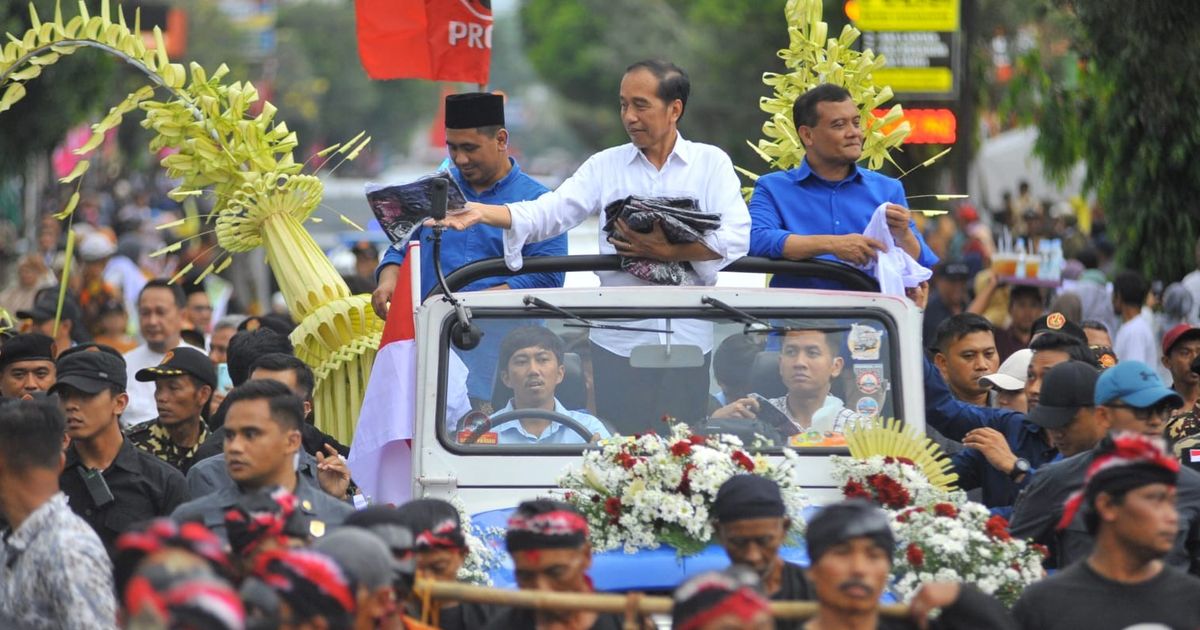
(384, 290)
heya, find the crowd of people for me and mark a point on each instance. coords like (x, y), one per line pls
(168, 472)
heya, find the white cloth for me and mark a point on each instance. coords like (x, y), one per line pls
(1135, 341)
(141, 406)
(895, 269)
(1191, 282)
(696, 170)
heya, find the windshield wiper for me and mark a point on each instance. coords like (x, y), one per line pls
(752, 324)
(536, 303)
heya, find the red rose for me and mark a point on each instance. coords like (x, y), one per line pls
(997, 528)
(743, 460)
(888, 492)
(595, 498)
(855, 490)
(906, 461)
(914, 555)
(682, 448)
(889, 459)
(569, 496)
(698, 440)
(945, 509)
(626, 460)
(1042, 549)
(612, 505)
(685, 484)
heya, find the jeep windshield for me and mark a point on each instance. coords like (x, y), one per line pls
(558, 370)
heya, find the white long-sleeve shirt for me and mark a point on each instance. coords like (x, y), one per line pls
(695, 170)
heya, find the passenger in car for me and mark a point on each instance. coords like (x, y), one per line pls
(531, 364)
(751, 523)
(809, 361)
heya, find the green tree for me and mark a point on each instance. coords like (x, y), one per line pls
(1131, 116)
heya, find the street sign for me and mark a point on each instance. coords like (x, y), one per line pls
(905, 15)
(920, 63)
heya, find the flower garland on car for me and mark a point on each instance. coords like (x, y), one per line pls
(482, 556)
(645, 491)
(943, 536)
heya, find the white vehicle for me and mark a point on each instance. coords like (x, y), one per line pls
(877, 372)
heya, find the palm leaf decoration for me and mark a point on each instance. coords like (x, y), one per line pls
(893, 438)
(244, 162)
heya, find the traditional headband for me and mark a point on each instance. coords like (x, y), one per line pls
(549, 530)
(1123, 462)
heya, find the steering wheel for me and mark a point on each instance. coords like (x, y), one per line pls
(541, 414)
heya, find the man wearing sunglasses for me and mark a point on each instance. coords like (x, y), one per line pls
(1128, 397)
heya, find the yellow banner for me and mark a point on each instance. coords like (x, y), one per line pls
(907, 15)
(915, 79)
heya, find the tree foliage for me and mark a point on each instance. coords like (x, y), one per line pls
(1131, 116)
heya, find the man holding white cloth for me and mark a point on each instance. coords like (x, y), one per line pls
(658, 162)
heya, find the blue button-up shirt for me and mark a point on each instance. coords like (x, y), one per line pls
(955, 418)
(484, 241)
(512, 432)
(800, 202)
(476, 243)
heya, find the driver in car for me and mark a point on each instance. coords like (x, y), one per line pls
(808, 362)
(532, 366)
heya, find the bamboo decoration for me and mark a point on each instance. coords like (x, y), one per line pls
(892, 438)
(431, 591)
(245, 164)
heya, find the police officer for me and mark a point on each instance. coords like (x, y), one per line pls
(183, 384)
(262, 438)
(110, 483)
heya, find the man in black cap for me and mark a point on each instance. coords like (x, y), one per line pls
(478, 145)
(548, 542)
(262, 438)
(1057, 322)
(26, 365)
(948, 297)
(1128, 503)
(71, 328)
(183, 384)
(850, 550)
(1066, 409)
(751, 523)
(110, 483)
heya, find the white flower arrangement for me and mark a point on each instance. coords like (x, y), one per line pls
(482, 557)
(942, 536)
(645, 491)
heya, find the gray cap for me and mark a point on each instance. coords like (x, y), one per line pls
(362, 555)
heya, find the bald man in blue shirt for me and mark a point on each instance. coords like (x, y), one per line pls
(820, 208)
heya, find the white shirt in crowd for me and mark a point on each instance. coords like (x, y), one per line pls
(1135, 341)
(696, 170)
(141, 395)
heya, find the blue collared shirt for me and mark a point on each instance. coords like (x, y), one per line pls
(800, 202)
(512, 432)
(484, 241)
(954, 418)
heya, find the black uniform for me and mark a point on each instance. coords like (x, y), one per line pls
(142, 487)
(466, 616)
(973, 610)
(1079, 597)
(524, 619)
(793, 586)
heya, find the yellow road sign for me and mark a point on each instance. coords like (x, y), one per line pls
(907, 15)
(925, 80)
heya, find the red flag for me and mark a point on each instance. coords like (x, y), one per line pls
(439, 40)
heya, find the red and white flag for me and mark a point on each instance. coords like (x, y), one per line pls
(439, 40)
(381, 451)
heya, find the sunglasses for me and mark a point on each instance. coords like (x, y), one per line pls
(1144, 414)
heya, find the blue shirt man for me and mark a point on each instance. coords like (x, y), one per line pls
(820, 208)
(515, 431)
(478, 145)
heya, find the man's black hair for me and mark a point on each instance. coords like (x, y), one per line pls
(1094, 324)
(958, 326)
(1023, 290)
(529, 337)
(1088, 258)
(834, 339)
(804, 110)
(490, 131)
(165, 283)
(1130, 287)
(733, 360)
(286, 407)
(247, 346)
(31, 434)
(279, 362)
(1076, 349)
(421, 515)
(673, 82)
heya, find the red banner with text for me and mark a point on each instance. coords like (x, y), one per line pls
(439, 40)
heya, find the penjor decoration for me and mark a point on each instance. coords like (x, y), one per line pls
(261, 197)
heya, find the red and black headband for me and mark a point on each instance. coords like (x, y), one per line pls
(557, 529)
(1122, 463)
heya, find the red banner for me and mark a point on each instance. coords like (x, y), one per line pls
(439, 40)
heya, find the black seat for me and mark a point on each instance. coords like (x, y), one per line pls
(571, 392)
(764, 375)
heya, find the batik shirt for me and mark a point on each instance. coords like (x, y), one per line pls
(54, 573)
(832, 417)
(153, 438)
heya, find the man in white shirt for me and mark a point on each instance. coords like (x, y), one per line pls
(1135, 338)
(532, 360)
(160, 318)
(657, 162)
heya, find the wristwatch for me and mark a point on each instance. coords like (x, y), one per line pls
(1020, 467)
